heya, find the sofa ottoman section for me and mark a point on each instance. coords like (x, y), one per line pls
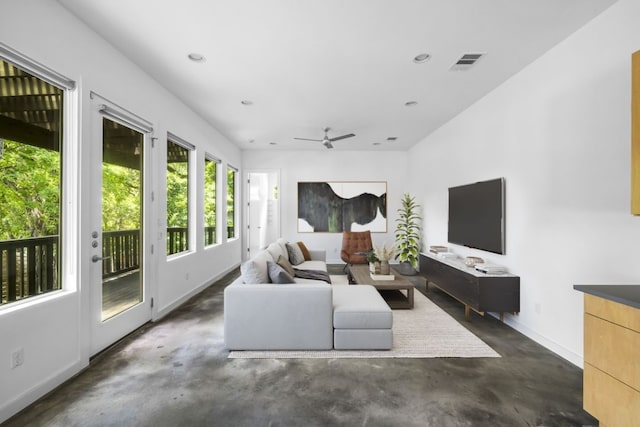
(278, 317)
(362, 320)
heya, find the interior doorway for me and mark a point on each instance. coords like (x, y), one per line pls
(263, 219)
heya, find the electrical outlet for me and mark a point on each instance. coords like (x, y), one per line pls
(538, 308)
(17, 358)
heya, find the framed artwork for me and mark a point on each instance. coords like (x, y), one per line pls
(337, 206)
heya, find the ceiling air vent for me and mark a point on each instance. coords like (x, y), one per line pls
(466, 61)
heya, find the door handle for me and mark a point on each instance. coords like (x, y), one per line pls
(97, 258)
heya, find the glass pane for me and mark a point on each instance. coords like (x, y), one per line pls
(210, 170)
(122, 162)
(31, 113)
(231, 207)
(177, 198)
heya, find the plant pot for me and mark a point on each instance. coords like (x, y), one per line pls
(384, 267)
(406, 269)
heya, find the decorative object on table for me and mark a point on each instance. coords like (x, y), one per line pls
(382, 277)
(374, 262)
(471, 261)
(435, 249)
(408, 235)
(334, 206)
(384, 254)
(447, 255)
(491, 268)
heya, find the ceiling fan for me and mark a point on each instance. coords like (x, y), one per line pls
(326, 141)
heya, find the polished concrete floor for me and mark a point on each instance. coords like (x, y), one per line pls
(176, 373)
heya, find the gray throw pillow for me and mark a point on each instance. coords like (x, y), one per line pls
(295, 254)
(278, 274)
(284, 263)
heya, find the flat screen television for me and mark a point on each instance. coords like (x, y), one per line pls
(476, 215)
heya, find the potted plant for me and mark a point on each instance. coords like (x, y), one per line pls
(408, 235)
(374, 262)
(384, 254)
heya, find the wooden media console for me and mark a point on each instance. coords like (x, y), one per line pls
(480, 292)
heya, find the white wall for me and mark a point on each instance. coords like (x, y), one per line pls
(331, 165)
(559, 132)
(54, 330)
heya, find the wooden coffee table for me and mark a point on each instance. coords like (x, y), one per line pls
(391, 290)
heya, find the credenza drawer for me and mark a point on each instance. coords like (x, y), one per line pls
(613, 349)
(610, 401)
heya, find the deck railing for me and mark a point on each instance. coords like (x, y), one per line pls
(177, 240)
(29, 267)
(120, 252)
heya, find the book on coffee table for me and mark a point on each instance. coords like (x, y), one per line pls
(382, 276)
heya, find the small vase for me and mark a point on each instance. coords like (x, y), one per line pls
(374, 267)
(384, 267)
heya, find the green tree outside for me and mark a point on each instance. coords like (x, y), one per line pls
(30, 191)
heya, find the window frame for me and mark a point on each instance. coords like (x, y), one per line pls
(68, 215)
(235, 202)
(216, 232)
(190, 148)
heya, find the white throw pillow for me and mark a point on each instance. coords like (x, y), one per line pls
(275, 250)
(255, 271)
(283, 245)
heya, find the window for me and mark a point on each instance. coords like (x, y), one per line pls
(231, 202)
(178, 201)
(210, 205)
(31, 132)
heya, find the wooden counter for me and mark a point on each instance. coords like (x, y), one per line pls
(611, 388)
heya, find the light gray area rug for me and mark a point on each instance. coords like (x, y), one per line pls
(426, 331)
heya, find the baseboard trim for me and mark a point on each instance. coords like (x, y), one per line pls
(163, 311)
(21, 402)
(553, 346)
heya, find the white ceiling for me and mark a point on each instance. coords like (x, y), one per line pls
(346, 64)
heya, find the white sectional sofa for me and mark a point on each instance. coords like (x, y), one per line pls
(309, 314)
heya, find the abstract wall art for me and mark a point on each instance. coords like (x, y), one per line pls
(337, 206)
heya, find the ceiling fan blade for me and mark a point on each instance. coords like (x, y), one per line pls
(327, 144)
(307, 139)
(337, 138)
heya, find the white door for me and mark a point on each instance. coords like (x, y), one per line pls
(119, 178)
(264, 209)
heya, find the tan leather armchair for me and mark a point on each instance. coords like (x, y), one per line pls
(355, 244)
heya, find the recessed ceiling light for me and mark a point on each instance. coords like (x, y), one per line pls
(411, 103)
(423, 57)
(196, 57)
(246, 102)
(392, 138)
